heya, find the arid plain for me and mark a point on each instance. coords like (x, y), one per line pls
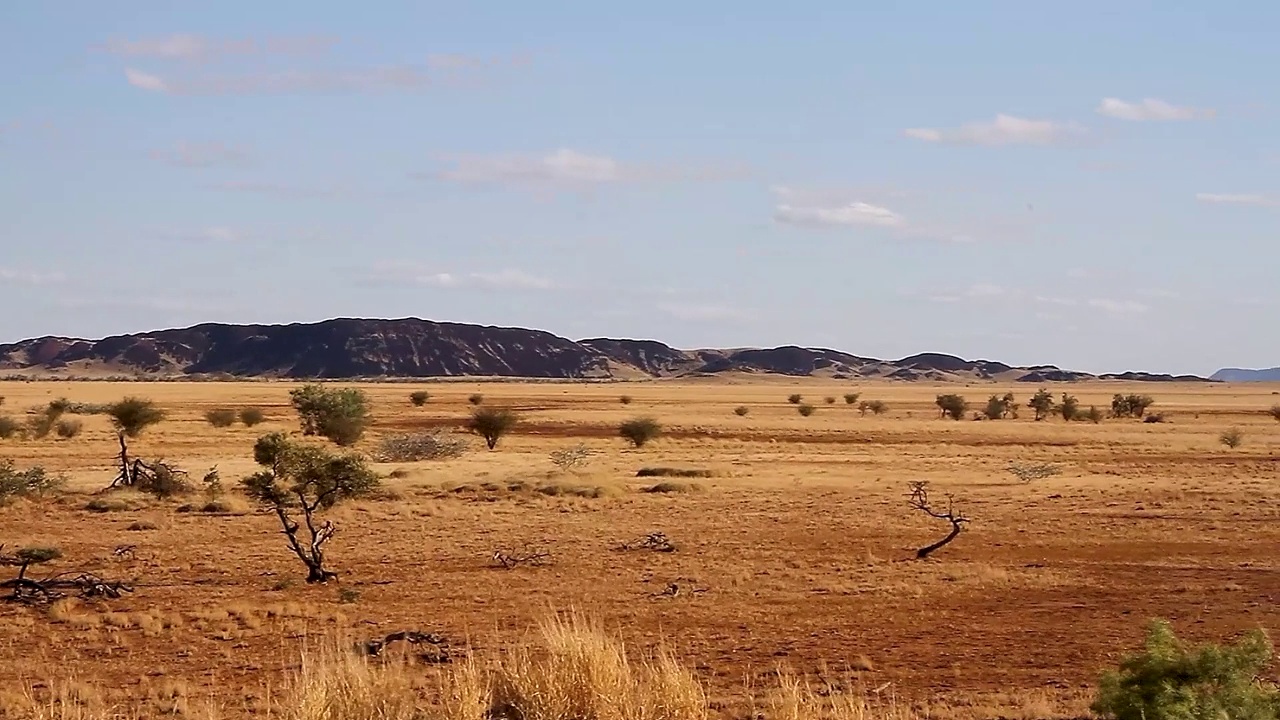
(796, 552)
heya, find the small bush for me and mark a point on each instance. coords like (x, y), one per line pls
(1042, 403)
(1275, 412)
(419, 397)
(1069, 408)
(164, 482)
(625, 399)
(672, 472)
(492, 424)
(830, 400)
(1171, 680)
(476, 399)
(877, 407)
(9, 427)
(1154, 418)
(640, 431)
(420, 446)
(673, 487)
(741, 410)
(1232, 438)
(251, 416)
(32, 482)
(221, 417)
(68, 428)
(795, 398)
(851, 398)
(572, 457)
(952, 406)
(40, 425)
(1000, 407)
(348, 596)
(805, 409)
(339, 414)
(142, 526)
(1093, 415)
(1130, 405)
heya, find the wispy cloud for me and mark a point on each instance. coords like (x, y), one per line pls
(854, 213)
(413, 274)
(1237, 199)
(1118, 307)
(1003, 130)
(195, 155)
(1150, 109)
(1018, 297)
(697, 312)
(145, 81)
(806, 208)
(19, 276)
(284, 190)
(191, 47)
(566, 167)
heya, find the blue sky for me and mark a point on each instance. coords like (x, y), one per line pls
(1095, 185)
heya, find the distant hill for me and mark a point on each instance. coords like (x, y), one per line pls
(414, 348)
(1243, 375)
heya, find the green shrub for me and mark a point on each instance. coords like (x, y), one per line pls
(805, 409)
(9, 427)
(876, 407)
(1130, 405)
(1042, 403)
(133, 415)
(851, 398)
(492, 424)
(413, 447)
(419, 397)
(952, 406)
(476, 399)
(830, 400)
(68, 428)
(32, 482)
(640, 431)
(1232, 438)
(221, 417)
(741, 410)
(795, 398)
(1171, 680)
(1093, 415)
(1000, 407)
(251, 416)
(1069, 408)
(341, 414)
(625, 399)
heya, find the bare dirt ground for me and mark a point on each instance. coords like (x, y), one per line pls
(796, 552)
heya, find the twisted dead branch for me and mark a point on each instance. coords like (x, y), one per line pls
(918, 498)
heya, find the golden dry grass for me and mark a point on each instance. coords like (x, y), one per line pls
(794, 554)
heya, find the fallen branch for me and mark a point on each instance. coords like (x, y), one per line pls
(509, 560)
(918, 498)
(439, 653)
(655, 541)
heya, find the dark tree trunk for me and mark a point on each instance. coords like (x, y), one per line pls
(923, 552)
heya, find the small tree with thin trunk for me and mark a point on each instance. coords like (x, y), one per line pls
(302, 479)
(1232, 438)
(131, 417)
(639, 431)
(1042, 403)
(952, 406)
(919, 500)
(1069, 408)
(492, 424)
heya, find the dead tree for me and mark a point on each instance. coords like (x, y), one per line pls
(131, 417)
(24, 589)
(515, 558)
(655, 541)
(919, 500)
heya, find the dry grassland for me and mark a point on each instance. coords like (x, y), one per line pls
(795, 553)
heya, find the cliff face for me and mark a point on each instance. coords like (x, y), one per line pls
(354, 348)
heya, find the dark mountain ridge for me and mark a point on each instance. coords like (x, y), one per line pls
(416, 348)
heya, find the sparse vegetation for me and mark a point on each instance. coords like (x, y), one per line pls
(572, 457)
(1172, 680)
(795, 398)
(805, 409)
(1026, 472)
(1232, 437)
(340, 414)
(851, 398)
(9, 428)
(419, 397)
(672, 472)
(1041, 403)
(669, 487)
(306, 479)
(1130, 405)
(1069, 408)
(251, 416)
(476, 399)
(952, 406)
(221, 417)
(1154, 418)
(640, 431)
(919, 499)
(492, 424)
(30, 483)
(625, 399)
(68, 428)
(830, 400)
(415, 447)
(875, 407)
(1274, 412)
(741, 410)
(131, 417)
(1093, 415)
(1000, 407)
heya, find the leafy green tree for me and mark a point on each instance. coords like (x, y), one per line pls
(131, 417)
(639, 431)
(306, 479)
(1000, 407)
(952, 406)
(1069, 408)
(1131, 405)
(1042, 403)
(1172, 680)
(492, 424)
(340, 414)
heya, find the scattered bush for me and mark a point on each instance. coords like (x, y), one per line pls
(1154, 418)
(348, 596)
(952, 406)
(32, 482)
(492, 424)
(1171, 680)
(68, 428)
(672, 487)
(572, 457)
(1069, 408)
(41, 424)
(672, 472)
(341, 414)
(795, 398)
(805, 409)
(1000, 407)
(1093, 415)
(1232, 437)
(741, 410)
(132, 415)
(420, 446)
(251, 416)
(476, 399)
(1042, 403)
(1130, 405)
(419, 397)
(876, 407)
(221, 417)
(163, 481)
(830, 400)
(9, 427)
(640, 431)
(1274, 411)
(625, 399)
(142, 526)
(851, 398)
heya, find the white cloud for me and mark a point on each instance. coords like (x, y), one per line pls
(505, 279)
(186, 46)
(15, 276)
(511, 280)
(145, 81)
(1236, 199)
(1118, 307)
(1003, 130)
(1150, 109)
(186, 154)
(854, 213)
(702, 313)
(1049, 300)
(567, 167)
